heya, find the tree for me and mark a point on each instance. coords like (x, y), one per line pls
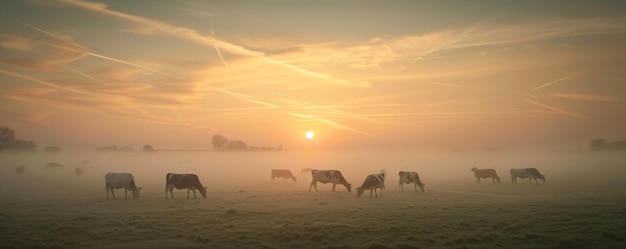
(148, 147)
(7, 136)
(8, 141)
(237, 145)
(219, 142)
(598, 144)
(23, 145)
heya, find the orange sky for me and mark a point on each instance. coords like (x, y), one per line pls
(360, 74)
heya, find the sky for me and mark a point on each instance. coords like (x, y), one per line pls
(443, 75)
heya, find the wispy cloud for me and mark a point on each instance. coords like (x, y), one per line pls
(587, 97)
(194, 36)
(556, 110)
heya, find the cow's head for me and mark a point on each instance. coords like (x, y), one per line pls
(359, 191)
(295, 179)
(349, 187)
(136, 192)
(422, 186)
(543, 178)
(474, 169)
(202, 191)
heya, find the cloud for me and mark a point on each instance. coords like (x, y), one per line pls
(587, 97)
(194, 36)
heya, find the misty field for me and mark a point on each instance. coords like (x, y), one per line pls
(582, 205)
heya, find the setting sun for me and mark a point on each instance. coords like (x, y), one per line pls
(309, 135)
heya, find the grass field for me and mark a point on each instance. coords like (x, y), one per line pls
(582, 205)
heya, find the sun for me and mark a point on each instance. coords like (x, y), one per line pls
(309, 135)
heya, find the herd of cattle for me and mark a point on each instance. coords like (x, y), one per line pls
(373, 182)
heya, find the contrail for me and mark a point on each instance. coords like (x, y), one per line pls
(134, 65)
(84, 50)
(79, 72)
(215, 46)
(194, 36)
(21, 76)
(552, 82)
(555, 109)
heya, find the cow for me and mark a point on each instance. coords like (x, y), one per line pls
(530, 173)
(409, 177)
(180, 181)
(78, 171)
(328, 176)
(283, 173)
(121, 180)
(485, 173)
(19, 170)
(372, 182)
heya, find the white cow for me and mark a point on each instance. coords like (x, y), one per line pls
(121, 180)
(530, 173)
(485, 173)
(409, 177)
(372, 182)
(328, 176)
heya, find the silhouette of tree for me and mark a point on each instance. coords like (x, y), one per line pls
(7, 136)
(219, 142)
(237, 145)
(598, 144)
(148, 147)
(8, 141)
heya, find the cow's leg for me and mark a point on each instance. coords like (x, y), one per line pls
(313, 183)
(125, 194)
(187, 193)
(172, 192)
(333, 187)
(415, 186)
(194, 193)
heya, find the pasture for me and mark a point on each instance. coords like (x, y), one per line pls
(582, 205)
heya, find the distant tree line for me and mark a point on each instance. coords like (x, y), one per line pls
(603, 145)
(146, 148)
(8, 142)
(221, 143)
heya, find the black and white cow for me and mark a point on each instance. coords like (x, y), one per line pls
(328, 176)
(19, 170)
(121, 180)
(486, 173)
(530, 173)
(409, 177)
(180, 181)
(283, 173)
(371, 183)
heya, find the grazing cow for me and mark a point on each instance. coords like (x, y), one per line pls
(78, 171)
(329, 176)
(530, 173)
(409, 177)
(180, 181)
(486, 173)
(372, 182)
(282, 173)
(121, 180)
(19, 170)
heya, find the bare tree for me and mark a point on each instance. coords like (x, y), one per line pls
(219, 142)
